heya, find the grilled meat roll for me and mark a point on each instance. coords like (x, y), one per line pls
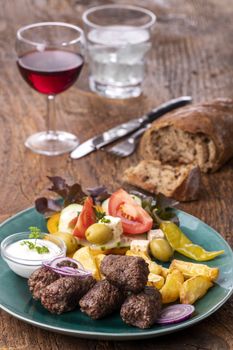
(101, 300)
(141, 310)
(64, 294)
(40, 279)
(127, 272)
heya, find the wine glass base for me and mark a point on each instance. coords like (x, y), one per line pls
(52, 143)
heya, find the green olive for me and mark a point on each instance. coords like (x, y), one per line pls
(98, 233)
(161, 249)
(69, 240)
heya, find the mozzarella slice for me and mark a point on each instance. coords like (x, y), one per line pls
(68, 214)
(115, 224)
(155, 234)
(105, 206)
(140, 245)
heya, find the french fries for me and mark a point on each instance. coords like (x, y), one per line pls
(155, 281)
(85, 256)
(194, 288)
(164, 272)
(153, 267)
(98, 259)
(193, 269)
(182, 280)
(171, 290)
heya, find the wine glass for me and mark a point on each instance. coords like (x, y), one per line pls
(50, 60)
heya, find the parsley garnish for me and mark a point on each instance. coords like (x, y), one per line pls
(105, 221)
(41, 250)
(99, 213)
(35, 233)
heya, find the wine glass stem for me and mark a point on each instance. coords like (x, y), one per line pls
(51, 115)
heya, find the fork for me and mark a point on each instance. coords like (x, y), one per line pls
(128, 146)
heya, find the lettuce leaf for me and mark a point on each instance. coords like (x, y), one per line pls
(69, 194)
(99, 194)
(159, 207)
(47, 207)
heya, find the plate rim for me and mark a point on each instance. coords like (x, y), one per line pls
(147, 333)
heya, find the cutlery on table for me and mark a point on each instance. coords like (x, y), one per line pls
(126, 147)
(127, 128)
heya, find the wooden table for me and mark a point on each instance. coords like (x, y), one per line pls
(192, 54)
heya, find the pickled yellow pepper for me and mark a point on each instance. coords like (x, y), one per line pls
(183, 245)
(53, 222)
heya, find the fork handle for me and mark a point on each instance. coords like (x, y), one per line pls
(139, 132)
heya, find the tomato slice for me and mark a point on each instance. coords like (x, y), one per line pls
(85, 219)
(134, 218)
(73, 222)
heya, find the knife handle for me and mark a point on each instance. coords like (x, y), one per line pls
(167, 107)
(117, 132)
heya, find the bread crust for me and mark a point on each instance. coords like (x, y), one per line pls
(188, 189)
(213, 119)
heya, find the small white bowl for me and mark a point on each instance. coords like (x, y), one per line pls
(24, 267)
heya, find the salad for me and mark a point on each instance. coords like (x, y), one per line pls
(94, 222)
(104, 221)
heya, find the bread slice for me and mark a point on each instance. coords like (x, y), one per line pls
(199, 134)
(174, 146)
(180, 182)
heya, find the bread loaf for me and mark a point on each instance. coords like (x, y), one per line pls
(200, 135)
(179, 182)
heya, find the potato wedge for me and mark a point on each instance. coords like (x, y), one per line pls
(98, 259)
(143, 255)
(171, 290)
(95, 252)
(116, 251)
(193, 269)
(164, 272)
(194, 288)
(85, 257)
(155, 281)
(153, 266)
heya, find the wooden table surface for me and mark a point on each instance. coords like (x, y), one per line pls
(192, 54)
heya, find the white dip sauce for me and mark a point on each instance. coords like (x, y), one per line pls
(18, 250)
(32, 260)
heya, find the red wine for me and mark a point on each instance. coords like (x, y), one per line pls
(51, 71)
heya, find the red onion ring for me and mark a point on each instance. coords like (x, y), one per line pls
(67, 270)
(175, 313)
(57, 261)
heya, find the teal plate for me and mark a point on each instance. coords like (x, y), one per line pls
(17, 301)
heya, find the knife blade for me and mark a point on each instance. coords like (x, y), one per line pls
(124, 129)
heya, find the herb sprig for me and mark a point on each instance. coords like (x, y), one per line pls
(35, 233)
(105, 220)
(99, 212)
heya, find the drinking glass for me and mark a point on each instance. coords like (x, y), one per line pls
(118, 38)
(50, 60)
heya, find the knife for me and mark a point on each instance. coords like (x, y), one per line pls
(124, 129)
